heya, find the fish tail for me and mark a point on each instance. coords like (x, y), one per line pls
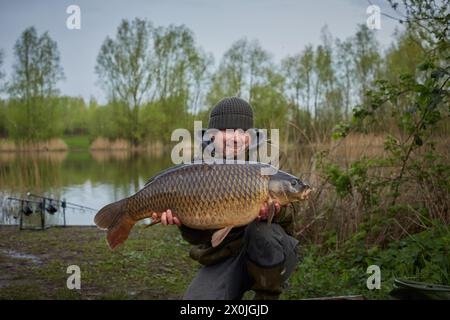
(114, 218)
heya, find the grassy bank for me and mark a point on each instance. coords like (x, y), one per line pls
(152, 264)
(77, 142)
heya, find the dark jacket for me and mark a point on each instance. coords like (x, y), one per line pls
(204, 253)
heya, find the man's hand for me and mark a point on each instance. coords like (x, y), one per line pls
(167, 218)
(265, 210)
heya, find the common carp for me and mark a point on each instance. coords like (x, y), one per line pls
(203, 196)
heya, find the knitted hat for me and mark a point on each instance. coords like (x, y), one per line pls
(231, 113)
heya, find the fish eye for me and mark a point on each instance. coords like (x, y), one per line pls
(294, 183)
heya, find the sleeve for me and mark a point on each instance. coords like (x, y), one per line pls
(194, 236)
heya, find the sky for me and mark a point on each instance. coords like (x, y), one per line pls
(283, 27)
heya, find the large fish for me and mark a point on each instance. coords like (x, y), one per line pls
(203, 196)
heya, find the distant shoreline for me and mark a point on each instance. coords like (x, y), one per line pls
(79, 143)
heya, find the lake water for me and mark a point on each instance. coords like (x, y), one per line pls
(90, 179)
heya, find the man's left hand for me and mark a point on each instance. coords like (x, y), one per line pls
(265, 210)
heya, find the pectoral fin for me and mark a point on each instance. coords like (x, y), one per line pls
(219, 235)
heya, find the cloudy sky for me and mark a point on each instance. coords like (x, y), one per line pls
(283, 27)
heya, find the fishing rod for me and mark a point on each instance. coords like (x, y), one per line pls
(50, 209)
(24, 200)
(64, 203)
(25, 209)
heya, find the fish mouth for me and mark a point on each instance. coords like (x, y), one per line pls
(305, 194)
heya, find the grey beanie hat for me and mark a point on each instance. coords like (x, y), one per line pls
(231, 113)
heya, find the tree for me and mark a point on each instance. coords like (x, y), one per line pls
(181, 70)
(2, 107)
(404, 55)
(323, 76)
(291, 70)
(366, 58)
(345, 71)
(324, 72)
(307, 62)
(125, 68)
(37, 68)
(229, 79)
(297, 71)
(35, 74)
(76, 115)
(243, 67)
(259, 66)
(2, 75)
(269, 101)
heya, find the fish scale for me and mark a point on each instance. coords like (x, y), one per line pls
(205, 196)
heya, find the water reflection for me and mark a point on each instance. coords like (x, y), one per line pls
(92, 179)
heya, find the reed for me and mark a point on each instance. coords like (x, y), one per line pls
(49, 145)
(330, 218)
(154, 148)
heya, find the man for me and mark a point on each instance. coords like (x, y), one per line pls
(259, 256)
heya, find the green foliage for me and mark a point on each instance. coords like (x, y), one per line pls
(157, 78)
(417, 101)
(147, 69)
(243, 68)
(402, 195)
(421, 257)
(124, 66)
(37, 68)
(31, 113)
(2, 75)
(77, 142)
(37, 119)
(75, 115)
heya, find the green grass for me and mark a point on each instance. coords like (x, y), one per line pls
(77, 142)
(152, 264)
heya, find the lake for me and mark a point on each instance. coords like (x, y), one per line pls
(88, 178)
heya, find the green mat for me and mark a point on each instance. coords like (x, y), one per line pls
(413, 290)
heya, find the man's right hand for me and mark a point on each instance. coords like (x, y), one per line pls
(167, 218)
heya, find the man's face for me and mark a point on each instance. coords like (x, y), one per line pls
(231, 143)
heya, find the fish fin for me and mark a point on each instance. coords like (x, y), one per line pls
(219, 235)
(113, 218)
(271, 213)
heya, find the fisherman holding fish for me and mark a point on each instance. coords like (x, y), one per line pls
(221, 208)
(259, 256)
